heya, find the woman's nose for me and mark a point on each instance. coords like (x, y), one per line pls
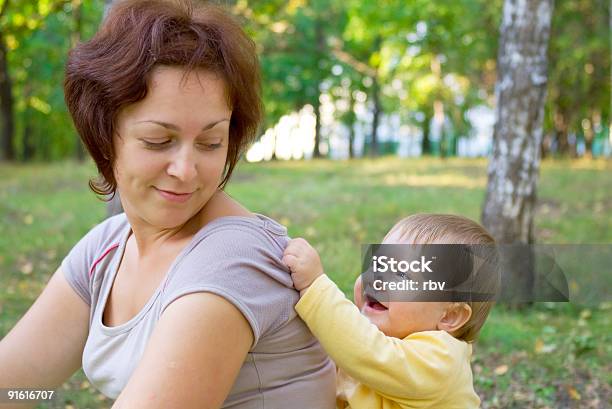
(183, 165)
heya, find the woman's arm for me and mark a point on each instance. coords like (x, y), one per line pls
(45, 347)
(192, 358)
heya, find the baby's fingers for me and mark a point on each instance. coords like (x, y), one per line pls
(290, 261)
(301, 280)
(297, 246)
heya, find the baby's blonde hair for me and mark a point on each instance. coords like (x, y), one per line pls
(428, 228)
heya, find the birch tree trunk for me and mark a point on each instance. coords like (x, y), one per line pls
(520, 93)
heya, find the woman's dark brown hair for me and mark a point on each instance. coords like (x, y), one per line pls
(111, 71)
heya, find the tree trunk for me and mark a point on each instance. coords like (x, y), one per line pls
(376, 116)
(589, 134)
(28, 145)
(376, 99)
(426, 142)
(521, 90)
(320, 39)
(7, 125)
(439, 120)
(514, 165)
(438, 107)
(351, 125)
(352, 141)
(562, 124)
(545, 145)
(317, 111)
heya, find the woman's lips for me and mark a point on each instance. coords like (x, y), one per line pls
(173, 196)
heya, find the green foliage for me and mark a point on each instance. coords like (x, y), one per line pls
(295, 57)
(579, 68)
(38, 36)
(413, 55)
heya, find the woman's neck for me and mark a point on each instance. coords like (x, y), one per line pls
(151, 239)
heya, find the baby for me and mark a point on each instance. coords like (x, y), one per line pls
(396, 354)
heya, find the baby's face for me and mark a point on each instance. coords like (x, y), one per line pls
(400, 318)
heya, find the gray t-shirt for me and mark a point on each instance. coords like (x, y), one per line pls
(237, 258)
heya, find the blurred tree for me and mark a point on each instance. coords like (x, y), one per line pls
(293, 38)
(432, 60)
(38, 34)
(578, 90)
(6, 94)
(448, 67)
(369, 27)
(271, 39)
(345, 88)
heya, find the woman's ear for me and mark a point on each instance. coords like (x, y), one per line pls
(455, 317)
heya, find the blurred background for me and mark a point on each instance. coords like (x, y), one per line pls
(374, 110)
(342, 79)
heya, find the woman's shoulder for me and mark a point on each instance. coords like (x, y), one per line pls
(240, 259)
(245, 246)
(257, 233)
(93, 248)
(102, 236)
(108, 230)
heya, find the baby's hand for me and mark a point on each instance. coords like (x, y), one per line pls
(304, 263)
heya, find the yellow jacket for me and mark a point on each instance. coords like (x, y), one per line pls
(429, 369)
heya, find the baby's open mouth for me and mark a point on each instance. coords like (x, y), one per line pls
(373, 303)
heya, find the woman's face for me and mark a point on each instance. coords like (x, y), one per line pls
(171, 146)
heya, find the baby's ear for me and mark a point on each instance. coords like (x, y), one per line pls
(455, 317)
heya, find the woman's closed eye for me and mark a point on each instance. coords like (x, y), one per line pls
(157, 143)
(210, 146)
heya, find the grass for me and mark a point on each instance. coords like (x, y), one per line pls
(547, 356)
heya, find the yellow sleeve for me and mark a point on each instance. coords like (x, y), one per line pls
(418, 366)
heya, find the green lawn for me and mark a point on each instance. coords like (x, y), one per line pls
(549, 356)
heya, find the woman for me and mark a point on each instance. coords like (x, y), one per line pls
(183, 301)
